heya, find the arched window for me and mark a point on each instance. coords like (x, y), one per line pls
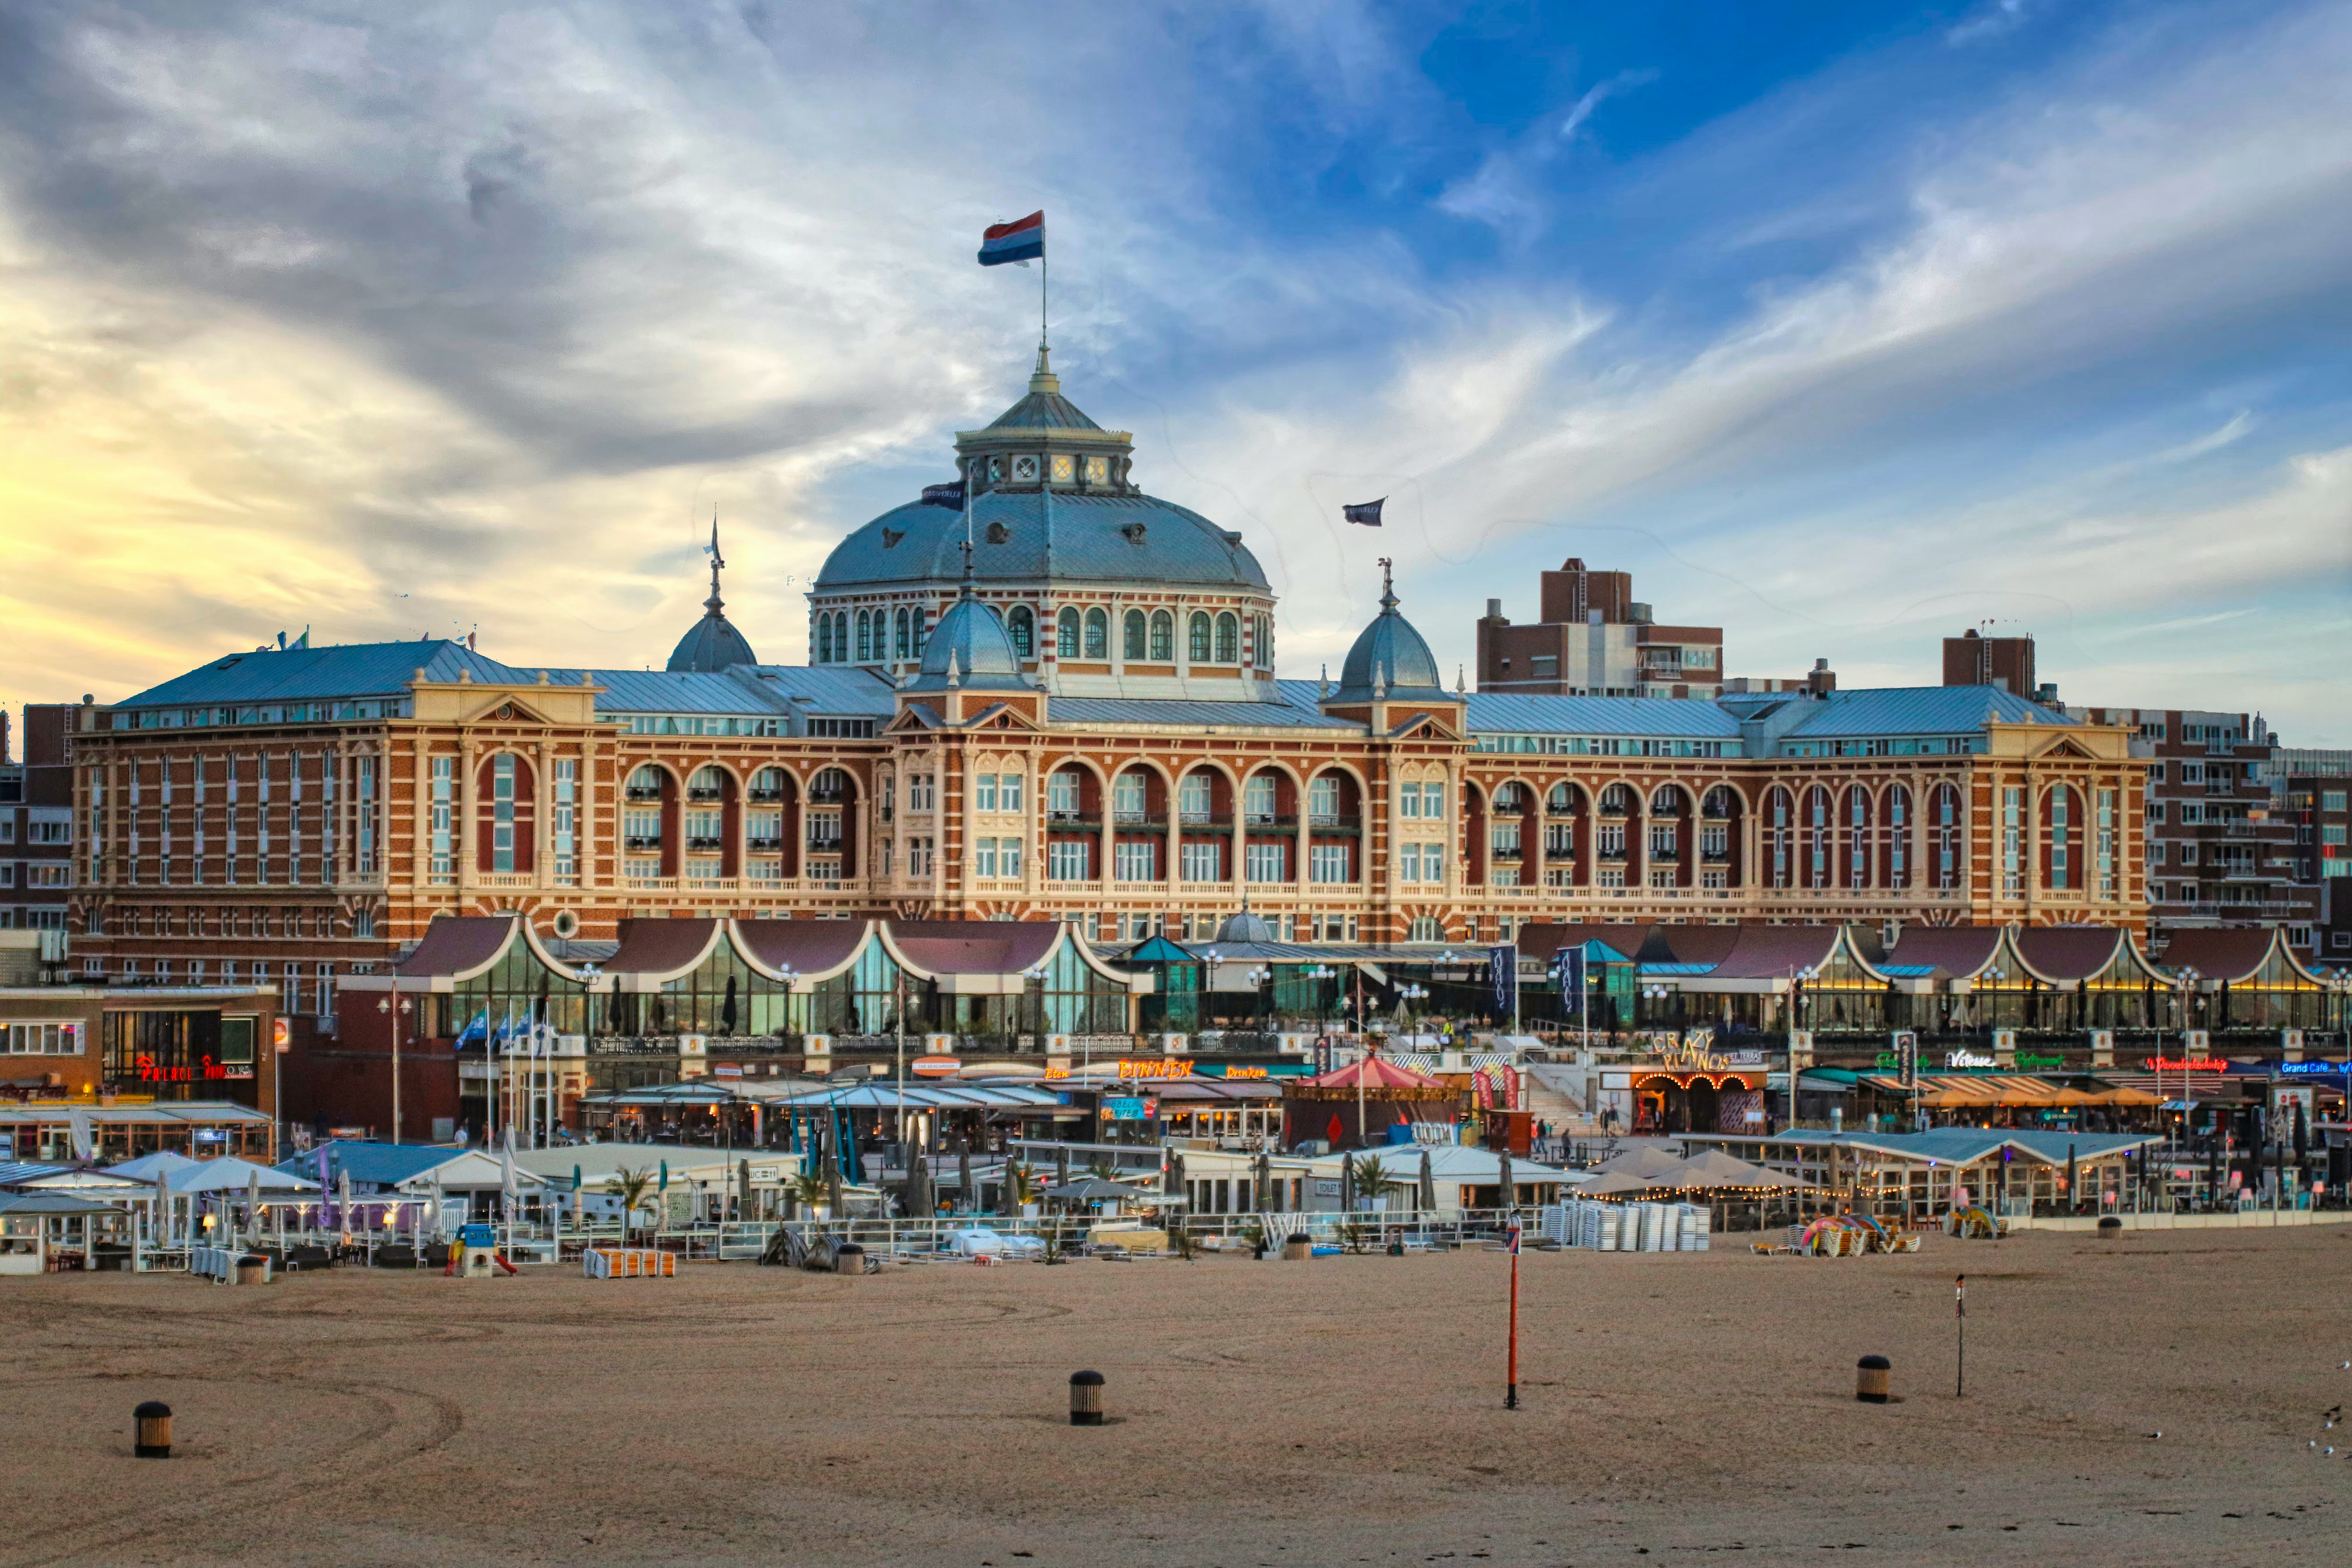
(1197, 638)
(1944, 825)
(1818, 836)
(1858, 825)
(1023, 627)
(841, 636)
(1163, 636)
(1066, 635)
(1131, 639)
(1097, 635)
(825, 640)
(1617, 800)
(1894, 835)
(768, 784)
(645, 782)
(1265, 648)
(919, 624)
(1229, 640)
(902, 639)
(1666, 801)
(1556, 802)
(707, 783)
(1257, 799)
(1778, 811)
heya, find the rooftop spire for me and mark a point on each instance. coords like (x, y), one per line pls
(1043, 378)
(715, 604)
(1387, 590)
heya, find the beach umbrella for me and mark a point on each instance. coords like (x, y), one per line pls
(508, 1188)
(832, 1178)
(1506, 1188)
(1264, 1183)
(742, 1189)
(1427, 1195)
(664, 1187)
(2302, 1133)
(2070, 1175)
(163, 1227)
(253, 1206)
(1062, 1166)
(963, 1179)
(2213, 1163)
(1174, 1183)
(1348, 1183)
(1092, 1189)
(344, 1201)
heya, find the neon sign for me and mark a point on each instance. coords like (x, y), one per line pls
(1970, 1059)
(2184, 1064)
(206, 1070)
(2313, 1070)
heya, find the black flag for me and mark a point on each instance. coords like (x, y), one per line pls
(1368, 512)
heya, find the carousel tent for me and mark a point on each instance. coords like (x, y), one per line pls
(231, 1175)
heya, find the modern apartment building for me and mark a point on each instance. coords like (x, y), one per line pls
(2219, 852)
(37, 867)
(1593, 639)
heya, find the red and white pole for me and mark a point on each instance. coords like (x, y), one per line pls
(1511, 1392)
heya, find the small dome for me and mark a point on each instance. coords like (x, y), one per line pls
(970, 639)
(713, 644)
(1391, 651)
(1245, 928)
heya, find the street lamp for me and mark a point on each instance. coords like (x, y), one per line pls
(386, 1006)
(1319, 974)
(2184, 979)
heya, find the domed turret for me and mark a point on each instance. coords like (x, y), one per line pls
(713, 644)
(1244, 928)
(970, 650)
(1390, 661)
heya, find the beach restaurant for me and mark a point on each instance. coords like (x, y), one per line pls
(1920, 1176)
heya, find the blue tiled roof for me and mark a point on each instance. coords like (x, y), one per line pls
(1677, 718)
(1084, 543)
(830, 690)
(360, 669)
(1295, 711)
(1918, 711)
(763, 689)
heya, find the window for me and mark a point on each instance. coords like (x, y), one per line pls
(58, 830)
(1257, 799)
(445, 791)
(1128, 796)
(1323, 799)
(918, 857)
(865, 638)
(1062, 793)
(1065, 634)
(922, 792)
(1228, 639)
(1203, 862)
(1023, 627)
(502, 812)
(1097, 634)
(2331, 832)
(984, 791)
(1263, 649)
(1070, 861)
(1008, 792)
(2060, 799)
(64, 1039)
(1194, 798)
(1422, 863)
(1432, 802)
(2013, 840)
(1132, 641)
(40, 876)
(1328, 863)
(764, 832)
(2104, 865)
(1163, 636)
(984, 858)
(902, 639)
(1265, 863)
(1136, 862)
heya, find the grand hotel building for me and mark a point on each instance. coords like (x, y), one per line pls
(1075, 716)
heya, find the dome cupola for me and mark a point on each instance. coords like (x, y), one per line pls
(713, 644)
(1390, 661)
(969, 648)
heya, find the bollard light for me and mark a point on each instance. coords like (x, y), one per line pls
(151, 1425)
(1086, 1399)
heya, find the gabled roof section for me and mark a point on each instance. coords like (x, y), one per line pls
(654, 951)
(1772, 953)
(2065, 955)
(359, 669)
(2231, 954)
(458, 947)
(1544, 939)
(810, 951)
(1960, 952)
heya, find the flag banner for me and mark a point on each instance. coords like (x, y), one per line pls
(1503, 969)
(1568, 974)
(1023, 239)
(1366, 512)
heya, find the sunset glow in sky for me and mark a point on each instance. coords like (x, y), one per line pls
(1843, 326)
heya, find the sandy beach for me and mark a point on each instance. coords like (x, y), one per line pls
(1343, 1411)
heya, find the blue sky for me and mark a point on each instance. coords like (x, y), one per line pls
(1845, 327)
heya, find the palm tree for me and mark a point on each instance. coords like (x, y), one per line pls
(1102, 1168)
(631, 1187)
(1372, 1178)
(809, 1192)
(1020, 1187)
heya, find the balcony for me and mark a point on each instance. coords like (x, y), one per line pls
(1136, 820)
(1560, 851)
(1205, 821)
(1611, 857)
(642, 796)
(1714, 857)
(1074, 819)
(642, 842)
(768, 797)
(707, 846)
(764, 846)
(1333, 822)
(826, 845)
(705, 797)
(1265, 822)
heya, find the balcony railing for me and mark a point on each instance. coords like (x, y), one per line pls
(764, 846)
(711, 845)
(641, 841)
(1204, 819)
(822, 845)
(641, 797)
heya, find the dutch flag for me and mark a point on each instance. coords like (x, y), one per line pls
(1019, 240)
